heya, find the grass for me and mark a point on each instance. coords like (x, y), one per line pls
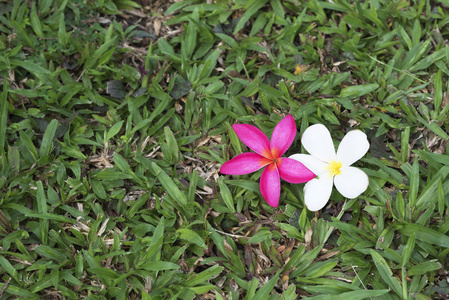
(115, 117)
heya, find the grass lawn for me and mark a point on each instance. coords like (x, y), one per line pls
(116, 116)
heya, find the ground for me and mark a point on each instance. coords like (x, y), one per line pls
(116, 116)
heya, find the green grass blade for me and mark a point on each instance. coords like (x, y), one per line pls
(9, 268)
(35, 22)
(193, 186)
(440, 195)
(23, 35)
(226, 195)
(204, 276)
(47, 139)
(169, 185)
(267, 288)
(172, 144)
(424, 268)
(408, 249)
(42, 209)
(359, 295)
(358, 90)
(191, 237)
(425, 234)
(438, 92)
(30, 67)
(4, 115)
(114, 130)
(414, 184)
(405, 137)
(93, 59)
(385, 272)
(253, 7)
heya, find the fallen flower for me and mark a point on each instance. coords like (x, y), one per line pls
(299, 69)
(268, 154)
(332, 167)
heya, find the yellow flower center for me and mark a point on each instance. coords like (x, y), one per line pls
(334, 167)
(298, 70)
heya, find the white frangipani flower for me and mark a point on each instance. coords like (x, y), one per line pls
(332, 167)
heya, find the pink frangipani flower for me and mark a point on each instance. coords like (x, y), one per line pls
(268, 154)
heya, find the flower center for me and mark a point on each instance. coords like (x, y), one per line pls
(334, 167)
(275, 153)
(272, 165)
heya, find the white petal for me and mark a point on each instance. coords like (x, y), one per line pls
(317, 140)
(312, 163)
(352, 147)
(351, 182)
(317, 192)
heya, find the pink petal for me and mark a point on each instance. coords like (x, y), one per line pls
(270, 185)
(244, 163)
(283, 135)
(254, 138)
(293, 171)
